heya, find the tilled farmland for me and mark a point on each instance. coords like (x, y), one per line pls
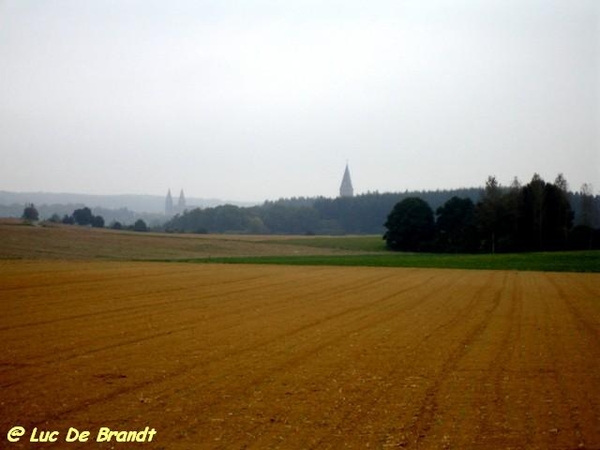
(236, 356)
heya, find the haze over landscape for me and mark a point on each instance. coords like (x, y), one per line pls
(296, 225)
(261, 99)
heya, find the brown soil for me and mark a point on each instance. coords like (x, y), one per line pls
(231, 357)
(54, 241)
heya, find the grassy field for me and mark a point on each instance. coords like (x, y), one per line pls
(375, 254)
(371, 243)
(51, 241)
(18, 241)
(556, 262)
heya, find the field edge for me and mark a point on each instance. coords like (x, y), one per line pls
(580, 261)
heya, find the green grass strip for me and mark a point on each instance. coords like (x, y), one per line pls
(370, 243)
(588, 261)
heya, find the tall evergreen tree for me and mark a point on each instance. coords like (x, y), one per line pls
(530, 224)
(587, 205)
(489, 212)
(557, 218)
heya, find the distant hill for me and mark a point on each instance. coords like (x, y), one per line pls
(137, 203)
(122, 208)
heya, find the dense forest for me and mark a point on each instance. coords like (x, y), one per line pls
(505, 218)
(362, 214)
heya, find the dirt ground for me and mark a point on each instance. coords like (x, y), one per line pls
(62, 242)
(232, 357)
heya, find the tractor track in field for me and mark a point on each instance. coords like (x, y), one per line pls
(428, 408)
(221, 357)
(356, 287)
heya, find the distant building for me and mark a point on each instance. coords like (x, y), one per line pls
(346, 189)
(181, 203)
(169, 204)
(170, 208)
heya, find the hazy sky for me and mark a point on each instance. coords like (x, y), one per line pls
(257, 99)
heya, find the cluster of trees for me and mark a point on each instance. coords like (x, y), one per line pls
(139, 225)
(538, 216)
(494, 218)
(362, 214)
(82, 216)
(534, 217)
(56, 212)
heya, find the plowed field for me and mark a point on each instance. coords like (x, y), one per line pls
(231, 357)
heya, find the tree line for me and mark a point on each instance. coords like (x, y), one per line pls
(534, 217)
(83, 217)
(495, 218)
(362, 214)
(500, 218)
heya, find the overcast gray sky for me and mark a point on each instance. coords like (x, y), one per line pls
(258, 99)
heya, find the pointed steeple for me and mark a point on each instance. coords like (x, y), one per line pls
(169, 204)
(346, 189)
(181, 203)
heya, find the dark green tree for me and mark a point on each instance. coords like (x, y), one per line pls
(83, 216)
(545, 215)
(279, 218)
(489, 214)
(30, 213)
(583, 237)
(55, 218)
(98, 222)
(557, 218)
(531, 214)
(455, 226)
(410, 225)
(140, 225)
(510, 209)
(229, 218)
(587, 205)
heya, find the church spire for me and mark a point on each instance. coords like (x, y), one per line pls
(181, 204)
(169, 204)
(346, 189)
